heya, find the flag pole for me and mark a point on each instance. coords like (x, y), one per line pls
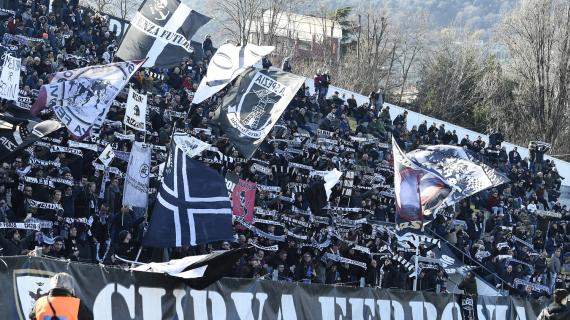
(417, 244)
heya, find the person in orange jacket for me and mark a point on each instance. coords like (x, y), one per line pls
(60, 302)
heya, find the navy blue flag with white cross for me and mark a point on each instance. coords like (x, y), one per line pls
(192, 205)
(161, 31)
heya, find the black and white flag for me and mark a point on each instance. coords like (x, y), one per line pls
(254, 104)
(135, 113)
(18, 133)
(161, 31)
(135, 192)
(226, 65)
(192, 205)
(81, 98)
(199, 271)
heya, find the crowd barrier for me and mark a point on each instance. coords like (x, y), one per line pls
(113, 293)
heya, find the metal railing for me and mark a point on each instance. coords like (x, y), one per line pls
(481, 270)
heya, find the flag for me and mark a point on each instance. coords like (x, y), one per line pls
(407, 178)
(10, 78)
(457, 165)
(189, 145)
(81, 98)
(135, 113)
(316, 196)
(135, 192)
(192, 205)
(161, 31)
(227, 64)
(18, 133)
(331, 178)
(254, 104)
(107, 155)
(243, 199)
(198, 271)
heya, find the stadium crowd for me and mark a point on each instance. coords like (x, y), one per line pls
(510, 230)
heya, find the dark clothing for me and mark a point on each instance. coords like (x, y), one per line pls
(468, 285)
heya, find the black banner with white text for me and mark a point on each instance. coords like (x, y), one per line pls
(116, 294)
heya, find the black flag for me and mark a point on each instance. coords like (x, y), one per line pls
(18, 133)
(161, 31)
(253, 105)
(198, 271)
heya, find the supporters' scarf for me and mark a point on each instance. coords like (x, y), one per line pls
(300, 166)
(264, 248)
(45, 205)
(534, 286)
(114, 170)
(73, 151)
(263, 212)
(41, 181)
(259, 232)
(83, 145)
(35, 162)
(265, 221)
(298, 222)
(317, 245)
(297, 236)
(20, 225)
(268, 188)
(120, 136)
(515, 238)
(338, 258)
(261, 169)
(66, 182)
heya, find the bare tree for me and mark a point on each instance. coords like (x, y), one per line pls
(536, 37)
(412, 33)
(124, 8)
(239, 17)
(98, 5)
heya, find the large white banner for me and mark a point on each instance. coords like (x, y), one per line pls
(135, 192)
(228, 63)
(10, 78)
(135, 114)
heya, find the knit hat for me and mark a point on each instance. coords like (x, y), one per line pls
(62, 280)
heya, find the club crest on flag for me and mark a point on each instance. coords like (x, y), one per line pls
(161, 31)
(159, 10)
(252, 116)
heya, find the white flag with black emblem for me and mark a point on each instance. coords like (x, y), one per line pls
(161, 31)
(135, 192)
(81, 98)
(227, 64)
(135, 113)
(107, 155)
(252, 106)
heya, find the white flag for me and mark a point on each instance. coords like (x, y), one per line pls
(135, 192)
(107, 155)
(135, 114)
(81, 98)
(227, 64)
(10, 78)
(190, 145)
